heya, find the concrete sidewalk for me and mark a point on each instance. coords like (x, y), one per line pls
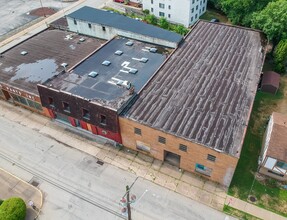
(163, 174)
(12, 186)
(252, 209)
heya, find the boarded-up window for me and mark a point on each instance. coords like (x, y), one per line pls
(103, 120)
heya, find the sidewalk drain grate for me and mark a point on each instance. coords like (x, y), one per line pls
(35, 183)
(100, 162)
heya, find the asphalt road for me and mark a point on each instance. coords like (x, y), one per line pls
(75, 186)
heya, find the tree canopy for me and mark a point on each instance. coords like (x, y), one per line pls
(13, 209)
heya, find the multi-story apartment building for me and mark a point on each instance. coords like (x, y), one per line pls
(185, 12)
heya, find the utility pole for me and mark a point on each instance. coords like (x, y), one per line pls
(128, 202)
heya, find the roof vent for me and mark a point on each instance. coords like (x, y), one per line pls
(143, 59)
(64, 65)
(106, 63)
(93, 74)
(124, 83)
(153, 50)
(133, 71)
(129, 43)
(23, 53)
(119, 52)
(82, 39)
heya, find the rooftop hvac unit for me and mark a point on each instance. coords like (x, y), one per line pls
(129, 43)
(64, 65)
(23, 53)
(106, 63)
(124, 83)
(93, 74)
(119, 52)
(143, 59)
(152, 50)
(82, 39)
(133, 71)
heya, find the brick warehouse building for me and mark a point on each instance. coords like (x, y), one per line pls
(37, 59)
(195, 111)
(93, 94)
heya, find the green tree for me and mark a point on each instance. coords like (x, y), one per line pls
(13, 209)
(272, 20)
(180, 29)
(151, 19)
(280, 56)
(146, 12)
(240, 12)
(163, 23)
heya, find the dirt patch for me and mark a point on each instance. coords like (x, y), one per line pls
(43, 12)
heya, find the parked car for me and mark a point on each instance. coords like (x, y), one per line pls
(214, 20)
(119, 1)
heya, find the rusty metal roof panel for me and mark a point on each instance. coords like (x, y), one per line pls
(205, 90)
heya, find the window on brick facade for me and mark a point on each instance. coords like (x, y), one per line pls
(90, 25)
(86, 114)
(211, 157)
(103, 120)
(183, 147)
(161, 140)
(161, 14)
(138, 131)
(161, 5)
(51, 101)
(66, 107)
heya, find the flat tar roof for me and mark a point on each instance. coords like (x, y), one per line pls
(205, 91)
(105, 88)
(124, 23)
(45, 54)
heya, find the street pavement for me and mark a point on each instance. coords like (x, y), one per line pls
(82, 183)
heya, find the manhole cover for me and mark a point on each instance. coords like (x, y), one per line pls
(100, 162)
(252, 198)
(35, 183)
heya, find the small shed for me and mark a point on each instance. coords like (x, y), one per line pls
(270, 82)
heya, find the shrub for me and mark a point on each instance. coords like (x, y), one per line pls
(13, 209)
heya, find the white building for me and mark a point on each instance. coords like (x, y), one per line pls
(185, 12)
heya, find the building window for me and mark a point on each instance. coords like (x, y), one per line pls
(151, 9)
(138, 131)
(203, 1)
(200, 2)
(195, 16)
(90, 25)
(151, 1)
(192, 10)
(281, 165)
(161, 14)
(51, 101)
(203, 8)
(203, 169)
(183, 147)
(211, 157)
(161, 5)
(199, 11)
(191, 19)
(192, 1)
(104, 28)
(196, 7)
(103, 120)
(66, 107)
(86, 114)
(169, 7)
(26, 102)
(168, 15)
(75, 21)
(161, 140)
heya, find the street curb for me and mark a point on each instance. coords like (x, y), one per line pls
(41, 194)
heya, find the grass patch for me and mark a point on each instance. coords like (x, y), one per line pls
(269, 196)
(212, 13)
(237, 213)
